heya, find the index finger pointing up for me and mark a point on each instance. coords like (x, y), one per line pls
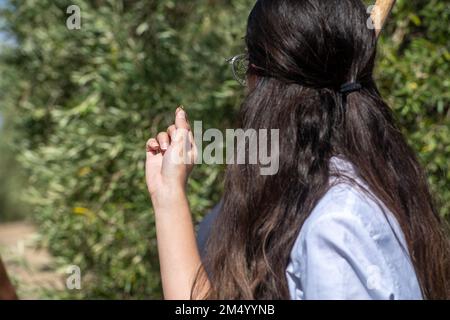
(181, 121)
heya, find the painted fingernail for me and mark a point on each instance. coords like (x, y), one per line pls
(150, 147)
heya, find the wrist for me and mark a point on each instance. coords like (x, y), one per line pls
(168, 198)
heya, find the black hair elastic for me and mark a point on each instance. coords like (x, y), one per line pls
(350, 87)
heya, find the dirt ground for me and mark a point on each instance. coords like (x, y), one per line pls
(31, 269)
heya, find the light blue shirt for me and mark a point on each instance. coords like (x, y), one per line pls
(350, 248)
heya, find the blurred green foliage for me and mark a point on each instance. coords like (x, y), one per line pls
(79, 106)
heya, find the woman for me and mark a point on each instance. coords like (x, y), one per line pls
(348, 215)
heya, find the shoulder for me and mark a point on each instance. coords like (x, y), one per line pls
(350, 209)
(341, 216)
(350, 217)
(350, 247)
(345, 206)
(347, 200)
(337, 252)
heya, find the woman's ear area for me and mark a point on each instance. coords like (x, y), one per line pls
(252, 79)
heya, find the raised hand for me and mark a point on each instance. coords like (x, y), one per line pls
(170, 159)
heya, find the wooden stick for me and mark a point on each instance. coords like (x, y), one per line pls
(380, 14)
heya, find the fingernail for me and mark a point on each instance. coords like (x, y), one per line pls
(164, 146)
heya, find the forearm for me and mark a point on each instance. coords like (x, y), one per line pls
(170, 159)
(178, 252)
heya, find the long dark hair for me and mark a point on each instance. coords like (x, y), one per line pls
(302, 51)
